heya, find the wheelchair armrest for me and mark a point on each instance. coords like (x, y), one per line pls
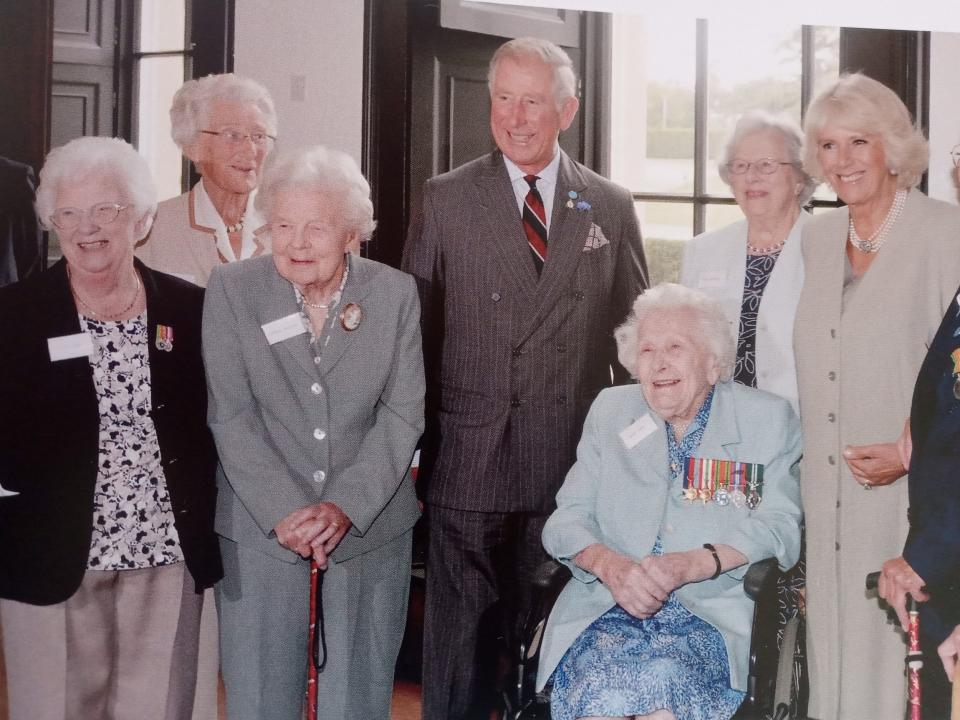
(760, 577)
(550, 576)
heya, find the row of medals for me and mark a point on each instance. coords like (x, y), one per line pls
(723, 497)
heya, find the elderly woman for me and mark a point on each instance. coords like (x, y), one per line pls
(754, 267)
(106, 464)
(226, 125)
(316, 403)
(880, 274)
(678, 484)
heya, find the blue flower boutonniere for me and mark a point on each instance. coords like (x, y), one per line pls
(581, 205)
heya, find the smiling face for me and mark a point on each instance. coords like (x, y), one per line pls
(91, 248)
(231, 168)
(524, 118)
(855, 165)
(308, 237)
(674, 370)
(760, 195)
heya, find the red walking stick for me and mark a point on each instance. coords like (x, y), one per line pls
(914, 657)
(316, 643)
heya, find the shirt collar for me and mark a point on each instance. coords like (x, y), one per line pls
(548, 175)
(206, 215)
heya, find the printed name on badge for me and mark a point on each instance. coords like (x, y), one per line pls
(637, 431)
(712, 279)
(66, 347)
(284, 328)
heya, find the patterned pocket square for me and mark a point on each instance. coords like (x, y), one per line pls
(595, 239)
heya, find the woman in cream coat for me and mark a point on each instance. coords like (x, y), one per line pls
(880, 274)
(754, 267)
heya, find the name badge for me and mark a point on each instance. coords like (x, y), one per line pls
(712, 279)
(7, 493)
(284, 328)
(637, 431)
(65, 347)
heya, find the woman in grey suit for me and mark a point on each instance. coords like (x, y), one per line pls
(316, 403)
(678, 485)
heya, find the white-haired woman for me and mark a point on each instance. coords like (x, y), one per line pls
(226, 125)
(315, 372)
(880, 274)
(679, 484)
(106, 463)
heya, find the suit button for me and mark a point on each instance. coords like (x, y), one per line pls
(837, 546)
(316, 359)
(515, 402)
(495, 297)
(831, 375)
(579, 295)
(833, 332)
(561, 399)
(561, 347)
(517, 352)
(831, 417)
(319, 434)
(831, 460)
(319, 476)
(316, 389)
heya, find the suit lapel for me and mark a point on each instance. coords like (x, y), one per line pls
(568, 231)
(722, 431)
(355, 291)
(496, 197)
(281, 301)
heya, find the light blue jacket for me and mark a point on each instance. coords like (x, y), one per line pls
(624, 497)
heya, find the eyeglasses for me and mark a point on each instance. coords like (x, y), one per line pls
(235, 137)
(955, 156)
(101, 214)
(765, 166)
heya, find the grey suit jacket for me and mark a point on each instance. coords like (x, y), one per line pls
(624, 497)
(290, 432)
(514, 360)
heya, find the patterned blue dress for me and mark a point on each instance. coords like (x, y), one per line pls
(622, 666)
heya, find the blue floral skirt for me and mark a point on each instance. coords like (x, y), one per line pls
(622, 666)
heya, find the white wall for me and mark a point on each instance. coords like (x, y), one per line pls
(316, 45)
(944, 112)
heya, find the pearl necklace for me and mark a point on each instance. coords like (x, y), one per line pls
(875, 241)
(236, 227)
(334, 299)
(108, 316)
(751, 250)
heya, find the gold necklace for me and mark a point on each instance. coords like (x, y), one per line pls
(108, 316)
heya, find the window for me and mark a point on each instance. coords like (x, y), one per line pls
(677, 89)
(162, 61)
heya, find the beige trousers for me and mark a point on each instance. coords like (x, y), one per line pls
(124, 646)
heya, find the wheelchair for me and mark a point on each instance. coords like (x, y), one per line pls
(776, 684)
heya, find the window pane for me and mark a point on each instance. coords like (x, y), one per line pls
(719, 216)
(666, 228)
(159, 78)
(826, 69)
(767, 77)
(162, 25)
(652, 93)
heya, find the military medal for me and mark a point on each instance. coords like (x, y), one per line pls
(351, 316)
(722, 497)
(738, 498)
(164, 338)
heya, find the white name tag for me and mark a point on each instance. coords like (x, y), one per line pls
(70, 346)
(7, 493)
(284, 328)
(637, 431)
(712, 279)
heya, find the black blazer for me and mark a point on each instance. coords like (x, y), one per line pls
(933, 544)
(49, 435)
(23, 250)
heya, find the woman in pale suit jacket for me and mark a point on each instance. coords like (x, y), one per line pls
(880, 274)
(678, 484)
(754, 267)
(315, 373)
(226, 125)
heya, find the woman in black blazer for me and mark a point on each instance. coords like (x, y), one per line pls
(106, 465)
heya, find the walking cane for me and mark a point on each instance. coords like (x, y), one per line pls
(317, 641)
(914, 657)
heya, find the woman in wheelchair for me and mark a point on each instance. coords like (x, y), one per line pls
(679, 484)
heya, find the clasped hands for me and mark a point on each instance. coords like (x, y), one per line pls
(313, 531)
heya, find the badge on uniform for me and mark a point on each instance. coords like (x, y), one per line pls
(164, 338)
(724, 482)
(351, 316)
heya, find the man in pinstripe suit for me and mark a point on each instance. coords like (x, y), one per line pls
(525, 261)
